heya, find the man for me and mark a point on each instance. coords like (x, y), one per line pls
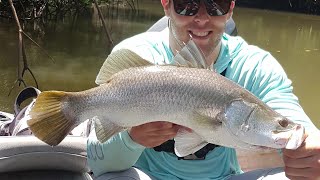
(249, 66)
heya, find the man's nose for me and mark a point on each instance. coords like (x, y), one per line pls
(202, 16)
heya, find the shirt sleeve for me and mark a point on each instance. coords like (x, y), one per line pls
(118, 153)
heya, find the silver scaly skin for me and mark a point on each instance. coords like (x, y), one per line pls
(133, 92)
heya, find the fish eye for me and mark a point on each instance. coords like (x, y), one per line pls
(283, 122)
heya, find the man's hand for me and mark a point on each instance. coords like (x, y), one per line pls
(153, 134)
(304, 162)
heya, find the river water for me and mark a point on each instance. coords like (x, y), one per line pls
(79, 48)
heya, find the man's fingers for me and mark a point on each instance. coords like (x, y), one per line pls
(153, 141)
(155, 133)
(301, 152)
(296, 177)
(304, 161)
(185, 128)
(299, 163)
(165, 132)
(303, 172)
(307, 173)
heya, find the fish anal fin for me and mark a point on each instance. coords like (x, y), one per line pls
(187, 143)
(105, 129)
(118, 61)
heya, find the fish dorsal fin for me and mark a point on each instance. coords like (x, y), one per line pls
(191, 56)
(118, 61)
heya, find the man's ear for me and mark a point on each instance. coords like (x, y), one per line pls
(230, 13)
(166, 7)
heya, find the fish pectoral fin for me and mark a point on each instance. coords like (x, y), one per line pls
(191, 56)
(206, 117)
(105, 129)
(118, 61)
(187, 143)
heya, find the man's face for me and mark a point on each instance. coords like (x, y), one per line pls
(204, 29)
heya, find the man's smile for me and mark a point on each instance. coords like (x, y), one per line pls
(200, 34)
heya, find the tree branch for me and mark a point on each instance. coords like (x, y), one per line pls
(103, 23)
(21, 56)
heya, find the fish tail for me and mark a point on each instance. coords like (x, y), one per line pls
(48, 122)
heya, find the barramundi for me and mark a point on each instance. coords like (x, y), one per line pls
(132, 91)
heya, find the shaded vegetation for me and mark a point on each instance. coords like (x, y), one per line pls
(57, 9)
(40, 12)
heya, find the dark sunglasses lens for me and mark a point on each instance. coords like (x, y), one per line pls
(186, 7)
(217, 7)
(191, 7)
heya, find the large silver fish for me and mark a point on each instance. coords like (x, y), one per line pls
(132, 91)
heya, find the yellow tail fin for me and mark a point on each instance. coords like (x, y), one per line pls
(48, 123)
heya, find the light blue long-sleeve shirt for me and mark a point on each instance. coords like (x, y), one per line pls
(253, 68)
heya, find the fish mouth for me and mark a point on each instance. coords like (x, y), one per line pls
(291, 138)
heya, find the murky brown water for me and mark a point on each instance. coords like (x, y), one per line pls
(294, 39)
(80, 49)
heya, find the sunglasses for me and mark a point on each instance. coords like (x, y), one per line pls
(191, 7)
